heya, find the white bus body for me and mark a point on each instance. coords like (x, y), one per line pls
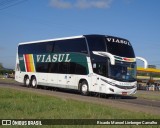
(88, 63)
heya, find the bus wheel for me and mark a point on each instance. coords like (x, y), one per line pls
(34, 82)
(84, 88)
(26, 81)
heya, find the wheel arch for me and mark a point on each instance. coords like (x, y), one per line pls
(25, 82)
(25, 76)
(80, 82)
(34, 76)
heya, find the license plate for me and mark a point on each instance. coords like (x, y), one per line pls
(124, 93)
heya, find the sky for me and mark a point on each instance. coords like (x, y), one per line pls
(29, 20)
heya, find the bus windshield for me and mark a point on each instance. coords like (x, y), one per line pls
(123, 71)
(119, 47)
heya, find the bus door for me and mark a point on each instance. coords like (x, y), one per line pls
(94, 84)
(99, 71)
(98, 86)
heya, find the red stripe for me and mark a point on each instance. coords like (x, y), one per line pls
(27, 62)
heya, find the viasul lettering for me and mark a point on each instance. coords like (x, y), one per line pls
(118, 41)
(54, 58)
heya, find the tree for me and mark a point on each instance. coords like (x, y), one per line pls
(1, 66)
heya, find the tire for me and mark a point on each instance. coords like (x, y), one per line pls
(26, 81)
(84, 88)
(34, 82)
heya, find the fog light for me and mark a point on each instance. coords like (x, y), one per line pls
(112, 90)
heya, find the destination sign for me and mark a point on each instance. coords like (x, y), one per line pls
(116, 40)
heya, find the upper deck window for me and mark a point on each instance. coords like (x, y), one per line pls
(96, 43)
(36, 48)
(71, 45)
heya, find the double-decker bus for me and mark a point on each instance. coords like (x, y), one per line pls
(88, 63)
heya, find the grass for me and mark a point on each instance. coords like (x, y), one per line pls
(7, 80)
(149, 95)
(25, 105)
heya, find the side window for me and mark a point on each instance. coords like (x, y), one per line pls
(72, 68)
(96, 43)
(36, 48)
(71, 45)
(53, 68)
(63, 68)
(100, 68)
(45, 47)
(23, 49)
(49, 47)
(77, 45)
(80, 69)
(42, 67)
(58, 47)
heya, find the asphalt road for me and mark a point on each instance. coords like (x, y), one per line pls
(133, 104)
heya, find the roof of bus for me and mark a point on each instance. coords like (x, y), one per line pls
(65, 38)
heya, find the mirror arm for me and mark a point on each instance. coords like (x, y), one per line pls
(144, 60)
(106, 54)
